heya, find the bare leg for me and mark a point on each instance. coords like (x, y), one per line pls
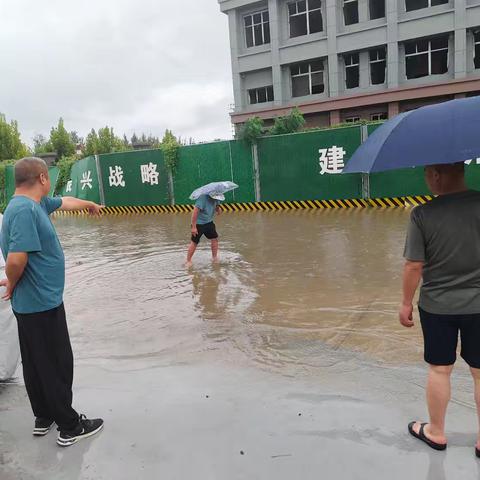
(191, 250)
(476, 379)
(214, 245)
(438, 396)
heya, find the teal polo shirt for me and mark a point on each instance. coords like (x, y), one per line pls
(207, 206)
(27, 228)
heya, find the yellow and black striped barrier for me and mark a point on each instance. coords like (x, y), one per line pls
(394, 202)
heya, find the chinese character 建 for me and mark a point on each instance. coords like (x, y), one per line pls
(331, 160)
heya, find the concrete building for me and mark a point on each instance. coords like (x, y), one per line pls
(348, 60)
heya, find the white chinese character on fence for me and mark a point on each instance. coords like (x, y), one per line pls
(86, 180)
(69, 186)
(331, 159)
(476, 160)
(116, 177)
(149, 173)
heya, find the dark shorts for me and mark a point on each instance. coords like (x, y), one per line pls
(208, 229)
(440, 335)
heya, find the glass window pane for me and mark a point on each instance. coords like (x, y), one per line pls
(377, 73)
(417, 66)
(292, 8)
(438, 2)
(258, 34)
(248, 21)
(252, 94)
(302, 6)
(316, 66)
(312, 4)
(377, 9)
(249, 36)
(270, 93)
(303, 67)
(439, 62)
(422, 46)
(476, 36)
(316, 21)
(298, 26)
(441, 42)
(262, 95)
(265, 16)
(266, 33)
(355, 57)
(300, 86)
(476, 60)
(257, 18)
(294, 69)
(350, 12)
(317, 83)
(352, 77)
(410, 47)
(415, 4)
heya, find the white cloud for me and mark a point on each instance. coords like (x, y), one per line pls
(136, 65)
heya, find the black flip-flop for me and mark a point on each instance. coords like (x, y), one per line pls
(421, 436)
(477, 452)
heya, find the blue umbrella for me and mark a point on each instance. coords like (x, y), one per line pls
(448, 132)
(215, 189)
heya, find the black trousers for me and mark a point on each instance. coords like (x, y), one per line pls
(47, 361)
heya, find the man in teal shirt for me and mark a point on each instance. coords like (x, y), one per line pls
(35, 270)
(202, 224)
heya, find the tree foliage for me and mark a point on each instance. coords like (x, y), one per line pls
(61, 140)
(291, 123)
(171, 148)
(105, 141)
(251, 130)
(11, 145)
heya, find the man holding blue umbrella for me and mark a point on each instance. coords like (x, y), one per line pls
(443, 243)
(204, 211)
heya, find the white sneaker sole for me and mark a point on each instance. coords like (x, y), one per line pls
(41, 432)
(71, 441)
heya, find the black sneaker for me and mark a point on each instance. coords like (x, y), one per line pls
(42, 426)
(85, 429)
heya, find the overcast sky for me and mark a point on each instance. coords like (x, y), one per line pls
(136, 65)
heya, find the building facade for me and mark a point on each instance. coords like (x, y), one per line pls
(348, 60)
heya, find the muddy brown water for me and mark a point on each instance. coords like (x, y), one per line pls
(293, 289)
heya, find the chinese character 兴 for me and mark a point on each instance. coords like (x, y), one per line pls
(116, 177)
(86, 180)
(331, 160)
(149, 173)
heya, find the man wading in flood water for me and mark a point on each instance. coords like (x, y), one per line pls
(35, 270)
(443, 246)
(202, 224)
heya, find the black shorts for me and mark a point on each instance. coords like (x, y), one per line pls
(440, 335)
(208, 229)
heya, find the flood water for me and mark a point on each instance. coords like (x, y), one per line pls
(293, 290)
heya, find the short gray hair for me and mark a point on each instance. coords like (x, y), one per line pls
(28, 169)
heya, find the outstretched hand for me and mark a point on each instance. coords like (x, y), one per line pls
(95, 209)
(406, 316)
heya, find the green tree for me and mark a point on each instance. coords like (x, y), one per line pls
(61, 140)
(291, 123)
(251, 130)
(104, 142)
(11, 145)
(171, 149)
(41, 144)
(91, 143)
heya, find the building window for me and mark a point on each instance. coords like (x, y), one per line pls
(305, 17)
(307, 78)
(350, 11)
(426, 57)
(257, 29)
(378, 65)
(418, 4)
(376, 117)
(476, 52)
(260, 95)
(376, 8)
(352, 70)
(352, 119)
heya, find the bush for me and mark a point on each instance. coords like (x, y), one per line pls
(64, 165)
(291, 123)
(251, 130)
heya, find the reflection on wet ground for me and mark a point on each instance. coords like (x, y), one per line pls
(291, 288)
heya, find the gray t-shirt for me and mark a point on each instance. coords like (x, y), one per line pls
(445, 235)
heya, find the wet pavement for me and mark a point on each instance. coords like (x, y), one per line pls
(288, 351)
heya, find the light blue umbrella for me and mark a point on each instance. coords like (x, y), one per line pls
(215, 190)
(448, 132)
